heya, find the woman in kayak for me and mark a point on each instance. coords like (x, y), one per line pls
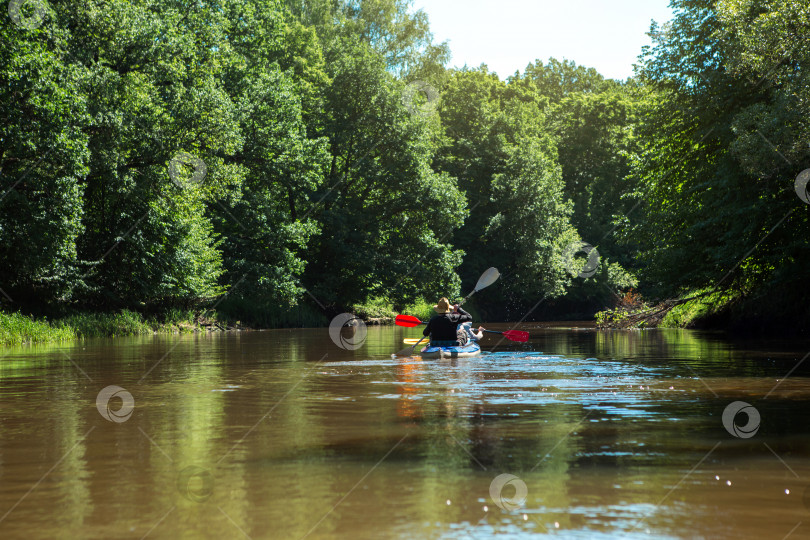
(442, 328)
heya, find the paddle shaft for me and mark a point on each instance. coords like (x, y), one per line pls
(404, 352)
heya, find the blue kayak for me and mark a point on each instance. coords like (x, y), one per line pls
(471, 349)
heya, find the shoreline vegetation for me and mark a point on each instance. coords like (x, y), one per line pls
(705, 309)
(20, 329)
(732, 312)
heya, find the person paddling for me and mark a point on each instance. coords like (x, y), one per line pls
(442, 328)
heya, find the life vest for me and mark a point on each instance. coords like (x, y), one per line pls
(467, 327)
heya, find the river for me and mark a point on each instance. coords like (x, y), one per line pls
(284, 434)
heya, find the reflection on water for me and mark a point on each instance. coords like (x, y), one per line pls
(283, 434)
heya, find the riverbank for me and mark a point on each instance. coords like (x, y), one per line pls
(633, 312)
(733, 312)
(699, 310)
(19, 329)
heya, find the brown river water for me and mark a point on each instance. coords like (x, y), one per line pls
(284, 434)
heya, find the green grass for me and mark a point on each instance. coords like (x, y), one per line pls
(381, 307)
(421, 309)
(700, 306)
(374, 308)
(16, 329)
(92, 325)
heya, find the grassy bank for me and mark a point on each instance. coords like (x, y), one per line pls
(16, 329)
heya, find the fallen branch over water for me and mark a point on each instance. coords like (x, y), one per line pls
(640, 315)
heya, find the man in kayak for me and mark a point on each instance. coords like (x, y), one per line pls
(442, 328)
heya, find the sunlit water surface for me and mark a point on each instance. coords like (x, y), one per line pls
(283, 434)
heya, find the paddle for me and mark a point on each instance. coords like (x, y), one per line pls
(512, 335)
(407, 321)
(408, 351)
(489, 277)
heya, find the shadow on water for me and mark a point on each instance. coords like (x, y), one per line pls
(284, 434)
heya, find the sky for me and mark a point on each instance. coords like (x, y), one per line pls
(508, 34)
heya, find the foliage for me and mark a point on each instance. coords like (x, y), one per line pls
(383, 308)
(92, 325)
(16, 329)
(496, 145)
(420, 309)
(716, 194)
(687, 314)
(43, 157)
(557, 80)
(383, 211)
(597, 146)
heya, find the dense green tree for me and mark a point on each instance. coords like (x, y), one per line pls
(719, 206)
(770, 46)
(386, 217)
(155, 153)
(43, 156)
(154, 95)
(597, 145)
(498, 146)
(556, 80)
(261, 218)
(399, 35)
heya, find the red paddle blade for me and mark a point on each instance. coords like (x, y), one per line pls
(407, 321)
(516, 335)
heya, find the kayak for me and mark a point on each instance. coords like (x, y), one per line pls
(471, 349)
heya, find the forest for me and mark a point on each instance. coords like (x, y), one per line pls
(280, 162)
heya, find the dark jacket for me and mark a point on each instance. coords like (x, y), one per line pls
(443, 327)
